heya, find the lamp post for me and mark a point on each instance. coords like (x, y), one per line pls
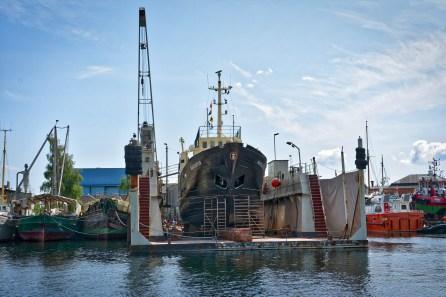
(167, 171)
(275, 134)
(298, 150)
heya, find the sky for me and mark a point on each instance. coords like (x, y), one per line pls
(312, 71)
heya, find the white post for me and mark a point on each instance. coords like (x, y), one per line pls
(136, 238)
(361, 162)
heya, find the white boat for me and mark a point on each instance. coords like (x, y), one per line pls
(6, 226)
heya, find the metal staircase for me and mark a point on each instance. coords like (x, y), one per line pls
(144, 206)
(318, 209)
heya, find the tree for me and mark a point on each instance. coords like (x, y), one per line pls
(124, 185)
(71, 180)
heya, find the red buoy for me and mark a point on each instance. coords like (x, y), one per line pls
(275, 182)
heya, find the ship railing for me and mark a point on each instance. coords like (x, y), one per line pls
(212, 131)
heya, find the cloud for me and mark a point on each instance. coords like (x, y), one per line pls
(94, 70)
(14, 96)
(83, 34)
(329, 157)
(365, 22)
(243, 72)
(403, 79)
(423, 151)
(308, 78)
(264, 72)
(250, 85)
(274, 113)
(62, 18)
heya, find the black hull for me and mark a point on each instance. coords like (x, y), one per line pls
(227, 172)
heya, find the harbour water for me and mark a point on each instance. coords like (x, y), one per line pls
(389, 267)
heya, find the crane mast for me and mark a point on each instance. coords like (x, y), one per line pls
(145, 97)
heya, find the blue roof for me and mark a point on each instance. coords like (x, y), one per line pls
(102, 176)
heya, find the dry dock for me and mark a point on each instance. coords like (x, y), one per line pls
(266, 243)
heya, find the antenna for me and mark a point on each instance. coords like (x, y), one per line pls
(219, 90)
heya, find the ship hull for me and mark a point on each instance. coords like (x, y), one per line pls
(433, 206)
(6, 229)
(392, 223)
(46, 228)
(104, 226)
(226, 172)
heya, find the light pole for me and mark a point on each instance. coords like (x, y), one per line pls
(167, 171)
(298, 150)
(275, 134)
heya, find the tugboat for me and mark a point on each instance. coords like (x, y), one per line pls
(430, 196)
(221, 169)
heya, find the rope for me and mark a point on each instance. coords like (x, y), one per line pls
(119, 219)
(77, 231)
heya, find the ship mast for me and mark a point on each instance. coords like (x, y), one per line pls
(382, 172)
(368, 156)
(219, 90)
(2, 198)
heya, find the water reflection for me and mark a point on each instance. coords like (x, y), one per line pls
(251, 273)
(106, 268)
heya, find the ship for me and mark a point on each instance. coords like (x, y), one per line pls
(6, 226)
(51, 217)
(105, 218)
(217, 169)
(430, 197)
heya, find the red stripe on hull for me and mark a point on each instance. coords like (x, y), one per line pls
(41, 235)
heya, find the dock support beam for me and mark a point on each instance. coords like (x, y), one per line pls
(136, 238)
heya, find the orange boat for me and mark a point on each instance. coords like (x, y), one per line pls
(385, 221)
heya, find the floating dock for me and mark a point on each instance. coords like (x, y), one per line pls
(266, 243)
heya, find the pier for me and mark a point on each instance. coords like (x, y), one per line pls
(265, 243)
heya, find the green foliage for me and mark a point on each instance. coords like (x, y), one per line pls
(124, 185)
(71, 181)
(38, 209)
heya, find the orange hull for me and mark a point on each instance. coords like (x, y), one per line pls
(394, 222)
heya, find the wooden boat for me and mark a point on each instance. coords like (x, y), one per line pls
(105, 218)
(52, 218)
